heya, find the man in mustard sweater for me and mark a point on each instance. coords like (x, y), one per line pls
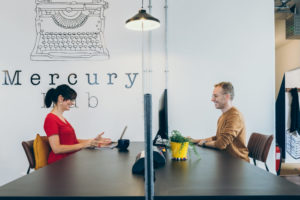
(231, 131)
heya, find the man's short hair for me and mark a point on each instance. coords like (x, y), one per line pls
(227, 88)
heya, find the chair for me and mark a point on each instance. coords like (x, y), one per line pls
(28, 148)
(42, 151)
(259, 146)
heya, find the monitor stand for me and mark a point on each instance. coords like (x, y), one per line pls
(161, 144)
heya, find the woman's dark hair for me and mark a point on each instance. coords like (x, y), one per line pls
(64, 90)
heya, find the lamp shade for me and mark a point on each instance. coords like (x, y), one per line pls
(142, 22)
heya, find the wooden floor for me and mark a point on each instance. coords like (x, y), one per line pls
(293, 179)
(290, 169)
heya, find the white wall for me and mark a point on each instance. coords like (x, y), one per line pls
(222, 42)
(209, 41)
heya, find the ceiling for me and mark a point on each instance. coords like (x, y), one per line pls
(283, 9)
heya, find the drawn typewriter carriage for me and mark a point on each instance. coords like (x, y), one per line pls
(70, 30)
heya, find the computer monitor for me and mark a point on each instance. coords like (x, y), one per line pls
(163, 129)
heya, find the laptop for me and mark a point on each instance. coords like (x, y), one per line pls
(113, 144)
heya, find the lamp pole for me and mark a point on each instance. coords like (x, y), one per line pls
(149, 175)
(145, 22)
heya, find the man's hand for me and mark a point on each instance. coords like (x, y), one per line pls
(195, 141)
(201, 142)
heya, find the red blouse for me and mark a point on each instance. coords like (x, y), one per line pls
(53, 125)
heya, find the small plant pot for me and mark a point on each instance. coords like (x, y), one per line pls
(179, 150)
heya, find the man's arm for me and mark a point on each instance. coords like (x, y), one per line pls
(227, 134)
(197, 141)
(211, 144)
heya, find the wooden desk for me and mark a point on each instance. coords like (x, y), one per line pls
(107, 174)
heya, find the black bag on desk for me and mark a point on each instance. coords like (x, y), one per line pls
(139, 165)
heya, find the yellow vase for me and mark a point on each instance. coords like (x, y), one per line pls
(179, 150)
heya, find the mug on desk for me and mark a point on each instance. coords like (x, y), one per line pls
(123, 144)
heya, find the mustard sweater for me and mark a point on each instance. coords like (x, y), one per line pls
(231, 134)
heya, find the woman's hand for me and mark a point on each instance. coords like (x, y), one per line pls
(89, 143)
(101, 141)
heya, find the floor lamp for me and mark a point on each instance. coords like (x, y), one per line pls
(145, 22)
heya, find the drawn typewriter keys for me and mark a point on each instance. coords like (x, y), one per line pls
(64, 19)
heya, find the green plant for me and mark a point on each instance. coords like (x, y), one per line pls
(176, 136)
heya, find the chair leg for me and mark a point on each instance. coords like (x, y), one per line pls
(266, 167)
(28, 170)
(254, 161)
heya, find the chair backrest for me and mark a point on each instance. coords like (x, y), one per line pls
(259, 146)
(28, 148)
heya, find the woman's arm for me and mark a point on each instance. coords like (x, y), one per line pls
(83, 140)
(60, 148)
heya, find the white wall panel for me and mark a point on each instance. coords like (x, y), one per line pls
(209, 41)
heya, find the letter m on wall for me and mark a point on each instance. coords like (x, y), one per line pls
(12, 81)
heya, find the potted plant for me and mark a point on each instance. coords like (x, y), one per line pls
(180, 146)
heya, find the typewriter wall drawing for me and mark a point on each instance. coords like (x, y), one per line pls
(70, 30)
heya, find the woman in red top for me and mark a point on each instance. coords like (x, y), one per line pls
(61, 135)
